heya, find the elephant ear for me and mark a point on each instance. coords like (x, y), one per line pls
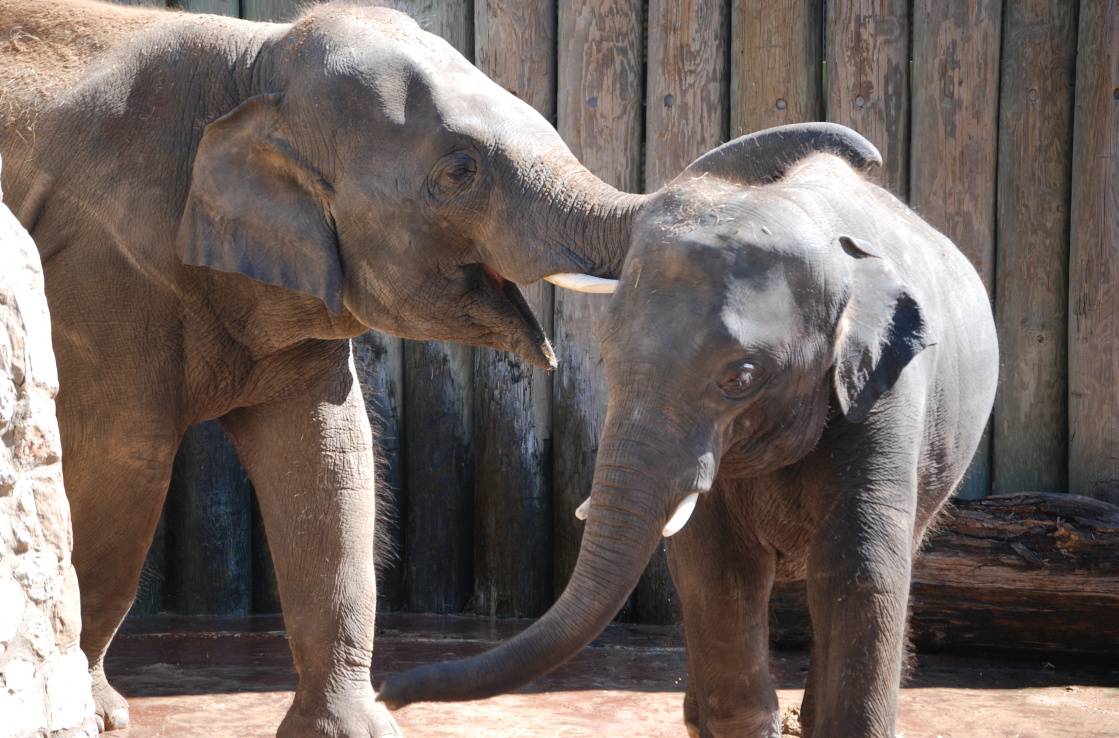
(765, 156)
(255, 209)
(882, 329)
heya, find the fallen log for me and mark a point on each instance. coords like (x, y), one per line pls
(1020, 572)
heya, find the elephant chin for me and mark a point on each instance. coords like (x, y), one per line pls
(522, 333)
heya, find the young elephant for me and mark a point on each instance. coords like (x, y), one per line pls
(808, 365)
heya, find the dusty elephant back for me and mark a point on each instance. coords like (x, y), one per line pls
(45, 45)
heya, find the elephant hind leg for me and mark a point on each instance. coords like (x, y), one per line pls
(724, 582)
(116, 482)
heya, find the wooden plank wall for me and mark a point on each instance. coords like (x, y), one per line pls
(998, 121)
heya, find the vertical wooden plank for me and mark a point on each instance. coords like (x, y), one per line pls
(1093, 361)
(515, 45)
(153, 577)
(955, 143)
(216, 7)
(379, 361)
(776, 63)
(208, 527)
(599, 95)
(1031, 298)
(266, 592)
(686, 113)
(271, 10)
(868, 79)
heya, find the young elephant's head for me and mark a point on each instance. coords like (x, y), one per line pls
(380, 171)
(740, 309)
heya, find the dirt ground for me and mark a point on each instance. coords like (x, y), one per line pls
(194, 678)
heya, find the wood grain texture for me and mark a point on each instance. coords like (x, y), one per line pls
(686, 114)
(1032, 571)
(379, 361)
(954, 143)
(209, 534)
(868, 79)
(153, 576)
(1031, 300)
(271, 10)
(599, 106)
(1093, 360)
(515, 44)
(776, 63)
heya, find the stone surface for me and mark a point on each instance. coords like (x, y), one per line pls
(44, 683)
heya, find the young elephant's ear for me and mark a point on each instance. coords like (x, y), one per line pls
(881, 330)
(256, 210)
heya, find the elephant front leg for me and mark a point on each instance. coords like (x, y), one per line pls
(858, 591)
(724, 577)
(310, 457)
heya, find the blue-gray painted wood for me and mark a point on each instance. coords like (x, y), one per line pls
(209, 534)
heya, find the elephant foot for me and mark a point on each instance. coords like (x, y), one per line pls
(110, 709)
(357, 716)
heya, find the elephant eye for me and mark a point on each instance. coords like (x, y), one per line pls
(453, 174)
(740, 379)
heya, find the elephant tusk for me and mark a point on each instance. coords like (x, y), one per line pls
(583, 283)
(680, 518)
(584, 509)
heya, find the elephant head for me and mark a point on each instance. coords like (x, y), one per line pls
(381, 172)
(740, 310)
(373, 167)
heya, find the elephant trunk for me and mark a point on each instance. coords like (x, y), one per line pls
(570, 220)
(623, 530)
(592, 219)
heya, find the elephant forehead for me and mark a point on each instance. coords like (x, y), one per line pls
(761, 309)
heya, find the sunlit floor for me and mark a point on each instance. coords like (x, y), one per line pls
(194, 678)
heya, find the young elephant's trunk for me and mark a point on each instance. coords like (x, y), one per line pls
(623, 529)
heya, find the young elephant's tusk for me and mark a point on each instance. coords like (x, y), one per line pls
(584, 509)
(680, 518)
(583, 283)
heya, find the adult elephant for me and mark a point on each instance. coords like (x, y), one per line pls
(803, 367)
(220, 205)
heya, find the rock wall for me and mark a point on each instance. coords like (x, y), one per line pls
(44, 681)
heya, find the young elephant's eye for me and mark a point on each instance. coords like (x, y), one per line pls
(740, 379)
(453, 174)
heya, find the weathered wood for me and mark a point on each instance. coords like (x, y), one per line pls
(868, 79)
(379, 362)
(515, 45)
(1031, 299)
(776, 63)
(216, 7)
(1093, 352)
(153, 576)
(209, 569)
(271, 10)
(266, 591)
(686, 114)
(599, 80)
(954, 143)
(1030, 571)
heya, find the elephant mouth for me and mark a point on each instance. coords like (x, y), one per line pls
(528, 338)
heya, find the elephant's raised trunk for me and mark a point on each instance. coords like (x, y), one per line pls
(623, 529)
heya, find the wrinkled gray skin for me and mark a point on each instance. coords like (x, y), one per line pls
(220, 205)
(819, 364)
